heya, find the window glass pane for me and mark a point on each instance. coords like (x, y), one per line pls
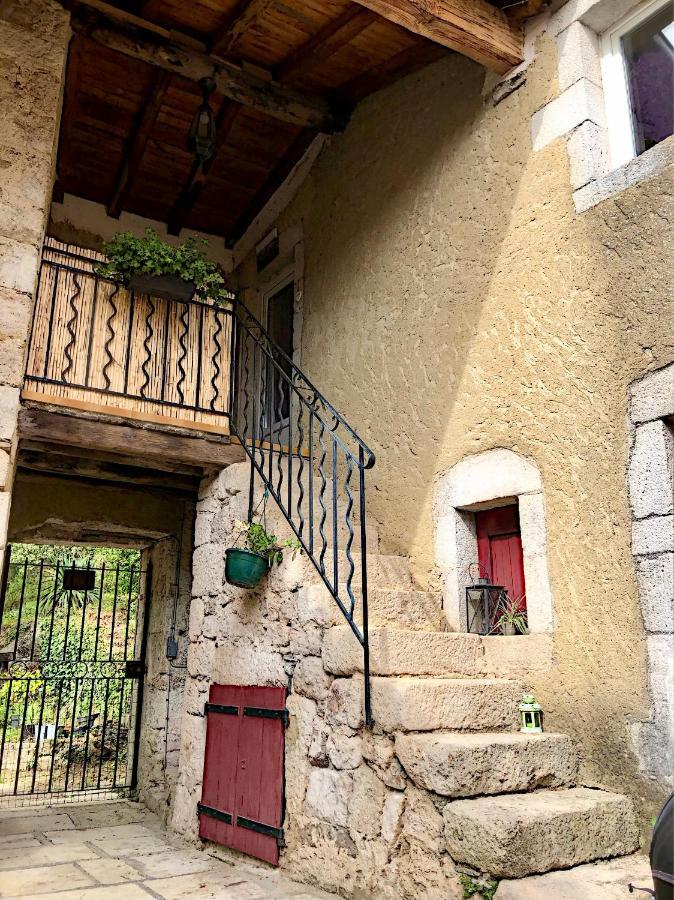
(649, 60)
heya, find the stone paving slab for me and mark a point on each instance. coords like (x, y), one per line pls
(110, 871)
(43, 855)
(28, 823)
(119, 851)
(119, 892)
(170, 863)
(43, 879)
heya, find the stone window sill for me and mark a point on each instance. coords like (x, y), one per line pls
(642, 168)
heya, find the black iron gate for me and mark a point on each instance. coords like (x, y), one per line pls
(72, 651)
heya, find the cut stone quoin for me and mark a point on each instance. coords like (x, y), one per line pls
(469, 765)
(515, 835)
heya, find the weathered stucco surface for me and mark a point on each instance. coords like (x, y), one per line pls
(454, 302)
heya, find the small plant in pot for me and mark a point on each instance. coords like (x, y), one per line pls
(246, 566)
(148, 265)
(511, 616)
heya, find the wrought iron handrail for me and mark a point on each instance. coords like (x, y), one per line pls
(311, 461)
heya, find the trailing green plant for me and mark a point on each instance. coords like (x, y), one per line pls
(478, 886)
(128, 255)
(258, 540)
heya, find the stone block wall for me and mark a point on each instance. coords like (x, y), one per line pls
(651, 490)
(159, 762)
(33, 45)
(354, 821)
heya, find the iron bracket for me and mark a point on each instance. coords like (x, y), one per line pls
(262, 713)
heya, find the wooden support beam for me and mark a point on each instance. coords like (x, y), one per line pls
(475, 28)
(138, 141)
(168, 51)
(46, 448)
(76, 431)
(198, 176)
(326, 42)
(278, 175)
(225, 40)
(78, 467)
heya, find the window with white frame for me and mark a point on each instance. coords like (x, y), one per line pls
(638, 75)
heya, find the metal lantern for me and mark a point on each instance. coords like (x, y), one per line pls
(202, 136)
(531, 715)
(482, 604)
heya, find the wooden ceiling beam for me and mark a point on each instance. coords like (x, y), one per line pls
(177, 57)
(475, 28)
(273, 182)
(138, 142)
(225, 40)
(326, 42)
(199, 173)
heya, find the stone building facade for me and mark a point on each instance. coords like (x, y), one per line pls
(490, 304)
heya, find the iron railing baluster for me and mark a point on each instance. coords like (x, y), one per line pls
(283, 399)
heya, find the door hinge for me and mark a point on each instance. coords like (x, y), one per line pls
(222, 710)
(262, 713)
(214, 813)
(261, 828)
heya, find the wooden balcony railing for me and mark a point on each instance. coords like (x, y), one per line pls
(98, 347)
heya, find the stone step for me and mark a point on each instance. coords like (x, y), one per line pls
(454, 704)
(404, 652)
(388, 572)
(410, 609)
(593, 881)
(471, 765)
(515, 835)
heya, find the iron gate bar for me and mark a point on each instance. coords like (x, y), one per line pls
(72, 699)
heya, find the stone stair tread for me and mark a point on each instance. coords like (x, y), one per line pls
(404, 652)
(405, 608)
(383, 570)
(470, 765)
(457, 704)
(592, 881)
(515, 835)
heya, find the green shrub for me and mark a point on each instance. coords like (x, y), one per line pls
(128, 255)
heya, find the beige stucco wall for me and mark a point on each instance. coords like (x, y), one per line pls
(455, 302)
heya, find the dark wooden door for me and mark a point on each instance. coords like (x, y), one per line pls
(499, 547)
(242, 802)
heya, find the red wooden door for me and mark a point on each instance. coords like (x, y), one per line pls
(242, 793)
(499, 549)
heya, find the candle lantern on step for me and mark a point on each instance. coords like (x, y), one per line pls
(482, 603)
(531, 715)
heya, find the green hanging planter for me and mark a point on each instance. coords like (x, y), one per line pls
(244, 568)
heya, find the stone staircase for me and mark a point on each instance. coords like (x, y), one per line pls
(450, 702)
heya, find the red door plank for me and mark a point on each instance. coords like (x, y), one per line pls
(499, 548)
(243, 769)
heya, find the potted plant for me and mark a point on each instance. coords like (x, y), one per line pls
(511, 617)
(148, 265)
(246, 566)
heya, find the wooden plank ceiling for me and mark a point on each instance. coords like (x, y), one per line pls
(285, 70)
